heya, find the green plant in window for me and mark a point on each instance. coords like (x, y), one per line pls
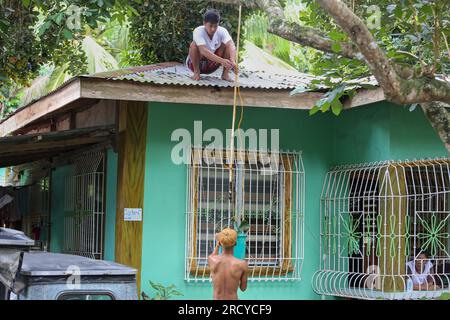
(240, 225)
(435, 236)
(276, 229)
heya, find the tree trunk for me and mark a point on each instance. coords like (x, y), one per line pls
(436, 112)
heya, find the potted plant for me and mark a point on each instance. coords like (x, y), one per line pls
(241, 226)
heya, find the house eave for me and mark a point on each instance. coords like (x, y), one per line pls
(86, 87)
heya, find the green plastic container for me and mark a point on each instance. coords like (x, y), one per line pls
(239, 248)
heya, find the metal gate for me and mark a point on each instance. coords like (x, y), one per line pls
(84, 206)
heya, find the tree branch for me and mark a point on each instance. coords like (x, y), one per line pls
(309, 37)
(439, 118)
(396, 88)
(280, 26)
(398, 83)
(375, 58)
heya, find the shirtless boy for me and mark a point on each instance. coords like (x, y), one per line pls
(228, 273)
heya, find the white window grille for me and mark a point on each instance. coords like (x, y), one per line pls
(269, 197)
(377, 220)
(84, 207)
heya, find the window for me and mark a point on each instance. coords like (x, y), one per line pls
(376, 220)
(84, 206)
(267, 195)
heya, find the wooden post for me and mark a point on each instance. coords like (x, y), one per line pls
(393, 224)
(130, 183)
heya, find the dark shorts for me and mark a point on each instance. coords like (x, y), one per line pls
(206, 66)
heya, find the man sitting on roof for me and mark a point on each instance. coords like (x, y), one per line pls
(212, 47)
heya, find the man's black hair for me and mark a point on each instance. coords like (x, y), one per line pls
(421, 251)
(212, 16)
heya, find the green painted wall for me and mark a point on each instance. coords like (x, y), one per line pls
(412, 136)
(57, 207)
(165, 192)
(110, 217)
(371, 133)
(384, 131)
(361, 135)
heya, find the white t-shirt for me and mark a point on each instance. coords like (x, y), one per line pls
(201, 38)
(419, 278)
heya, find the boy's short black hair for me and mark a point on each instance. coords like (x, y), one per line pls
(212, 16)
(418, 251)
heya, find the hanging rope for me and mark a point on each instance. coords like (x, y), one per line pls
(236, 94)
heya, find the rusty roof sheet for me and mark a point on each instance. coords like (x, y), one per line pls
(173, 73)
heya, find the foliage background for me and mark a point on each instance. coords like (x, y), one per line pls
(38, 51)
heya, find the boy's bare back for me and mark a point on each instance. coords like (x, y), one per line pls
(228, 274)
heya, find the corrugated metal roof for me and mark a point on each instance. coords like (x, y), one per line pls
(173, 73)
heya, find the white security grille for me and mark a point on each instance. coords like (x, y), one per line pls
(385, 230)
(269, 197)
(84, 207)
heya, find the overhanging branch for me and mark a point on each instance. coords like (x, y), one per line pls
(397, 87)
(280, 26)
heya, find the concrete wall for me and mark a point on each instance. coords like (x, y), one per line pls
(165, 192)
(371, 133)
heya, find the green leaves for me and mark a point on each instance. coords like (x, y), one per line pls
(337, 35)
(336, 107)
(162, 292)
(44, 27)
(162, 29)
(67, 34)
(336, 47)
(333, 98)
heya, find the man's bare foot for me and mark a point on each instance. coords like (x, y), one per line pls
(196, 76)
(226, 77)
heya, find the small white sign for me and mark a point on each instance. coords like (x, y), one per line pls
(132, 214)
